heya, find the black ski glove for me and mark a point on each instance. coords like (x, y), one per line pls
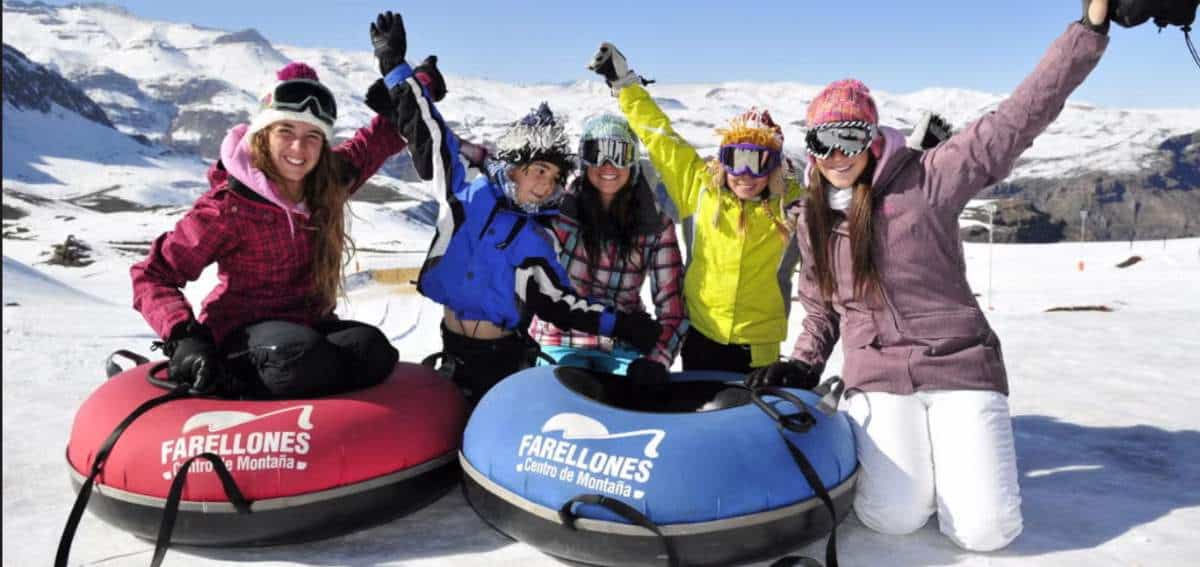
(609, 62)
(789, 373)
(389, 41)
(1101, 27)
(380, 101)
(930, 131)
(475, 154)
(645, 373)
(429, 75)
(194, 357)
(638, 329)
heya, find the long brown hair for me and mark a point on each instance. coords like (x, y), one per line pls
(326, 195)
(820, 219)
(617, 224)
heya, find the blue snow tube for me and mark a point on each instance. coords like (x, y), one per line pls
(584, 466)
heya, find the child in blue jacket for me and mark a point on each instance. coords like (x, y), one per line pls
(493, 262)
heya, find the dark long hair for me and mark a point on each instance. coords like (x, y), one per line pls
(326, 195)
(618, 224)
(821, 219)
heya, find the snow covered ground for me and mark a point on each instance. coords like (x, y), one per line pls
(1108, 437)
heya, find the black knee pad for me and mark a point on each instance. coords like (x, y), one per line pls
(368, 354)
(301, 364)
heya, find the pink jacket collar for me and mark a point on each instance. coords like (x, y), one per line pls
(235, 154)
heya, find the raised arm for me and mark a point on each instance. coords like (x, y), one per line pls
(433, 146)
(682, 170)
(985, 152)
(434, 150)
(365, 153)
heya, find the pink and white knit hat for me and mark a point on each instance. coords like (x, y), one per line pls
(846, 100)
(299, 96)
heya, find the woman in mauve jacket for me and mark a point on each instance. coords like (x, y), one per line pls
(883, 271)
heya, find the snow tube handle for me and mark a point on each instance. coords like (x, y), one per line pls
(567, 515)
(831, 392)
(799, 422)
(112, 368)
(449, 364)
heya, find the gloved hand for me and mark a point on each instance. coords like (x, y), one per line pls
(789, 373)
(930, 131)
(429, 75)
(610, 63)
(475, 154)
(389, 40)
(1095, 15)
(638, 329)
(194, 357)
(645, 373)
(379, 100)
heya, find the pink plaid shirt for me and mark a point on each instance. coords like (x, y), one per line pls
(618, 282)
(263, 267)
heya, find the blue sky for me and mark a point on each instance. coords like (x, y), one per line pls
(890, 45)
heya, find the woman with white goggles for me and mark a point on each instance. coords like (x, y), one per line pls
(613, 238)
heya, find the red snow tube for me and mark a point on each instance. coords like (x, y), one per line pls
(311, 468)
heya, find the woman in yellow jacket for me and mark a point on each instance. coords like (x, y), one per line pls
(741, 259)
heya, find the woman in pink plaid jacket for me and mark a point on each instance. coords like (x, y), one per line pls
(273, 222)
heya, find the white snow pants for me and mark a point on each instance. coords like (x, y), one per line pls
(945, 451)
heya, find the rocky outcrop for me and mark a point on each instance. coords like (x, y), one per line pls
(1160, 201)
(201, 131)
(28, 85)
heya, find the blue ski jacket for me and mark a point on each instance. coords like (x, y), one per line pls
(489, 260)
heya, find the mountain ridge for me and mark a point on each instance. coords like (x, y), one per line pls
(183, 86)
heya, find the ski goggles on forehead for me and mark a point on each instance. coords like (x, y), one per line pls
(850, 137)
(748, 159)
(620, 153)
(299, 95)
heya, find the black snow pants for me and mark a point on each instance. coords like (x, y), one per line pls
(702, 353)
(280, 359)
(482, 363)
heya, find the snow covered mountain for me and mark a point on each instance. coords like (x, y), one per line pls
(32, 86)
(183, 86)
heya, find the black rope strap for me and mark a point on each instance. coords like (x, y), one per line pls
(568, 516)
(85, 491)
(800, 422)
(1187, 38)
(111, 368)
(796, 561)
(171, 509)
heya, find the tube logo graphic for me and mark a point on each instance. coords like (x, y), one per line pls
(579, 449)
(223, 433)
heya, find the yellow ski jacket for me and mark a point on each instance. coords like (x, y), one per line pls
(740, 266)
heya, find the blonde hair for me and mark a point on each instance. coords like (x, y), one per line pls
(776, 189)
(741, 131)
